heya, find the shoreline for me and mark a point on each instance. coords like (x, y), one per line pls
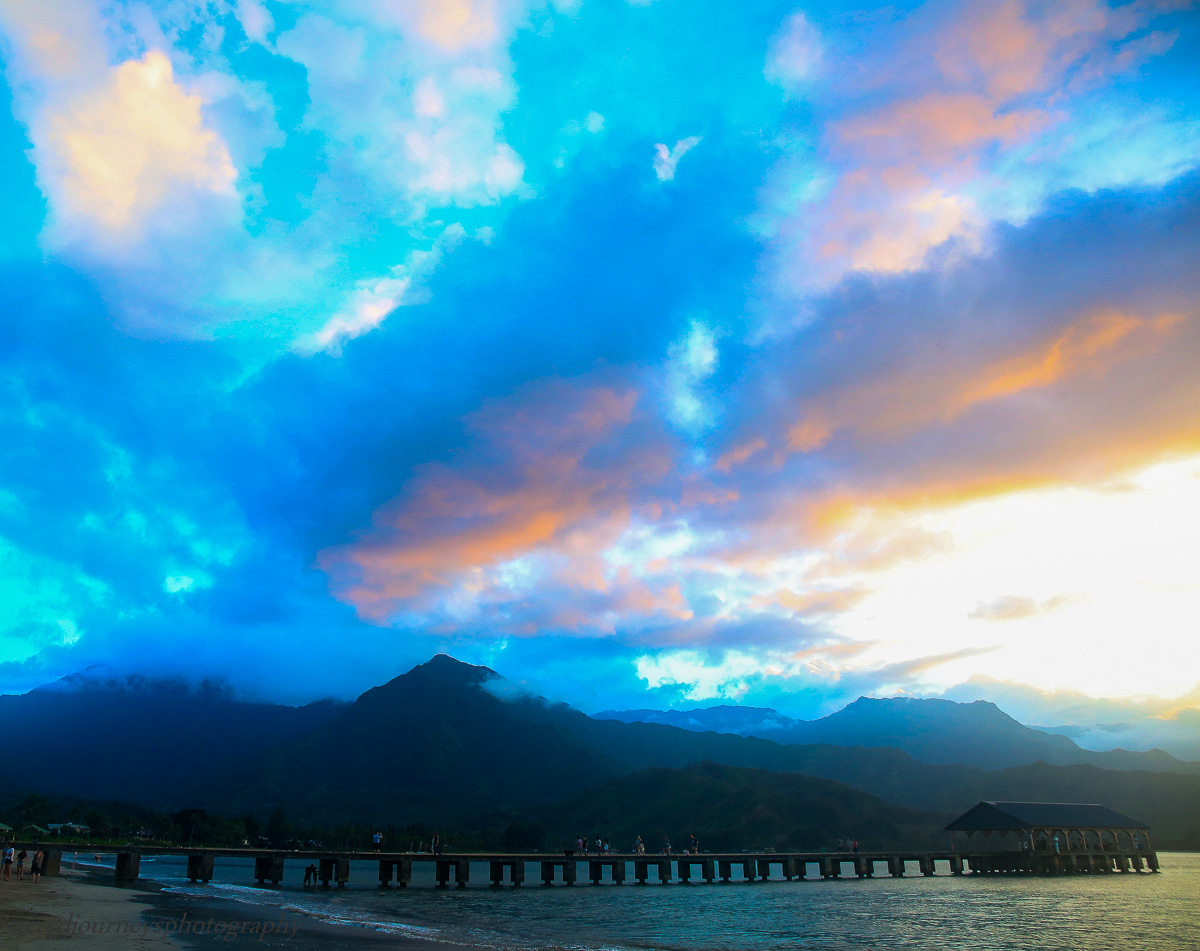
(81, 906)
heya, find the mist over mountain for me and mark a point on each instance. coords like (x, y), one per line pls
(931, 730)
(448, 742)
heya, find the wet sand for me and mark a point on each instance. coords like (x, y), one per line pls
(89, 912)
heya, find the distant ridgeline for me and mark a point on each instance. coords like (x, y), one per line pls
(454, 744)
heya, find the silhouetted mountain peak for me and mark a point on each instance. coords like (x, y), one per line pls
(924, 708)
(445, 667)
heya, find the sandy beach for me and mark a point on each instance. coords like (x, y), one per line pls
(82, 909)
(70, 908)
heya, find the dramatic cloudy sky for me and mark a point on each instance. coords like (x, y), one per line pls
(649, 352)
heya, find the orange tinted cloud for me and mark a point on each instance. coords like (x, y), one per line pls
(814, 602)
(975, 85)
(739, 454)
(935, 127)
(914, 397)
(530, 491)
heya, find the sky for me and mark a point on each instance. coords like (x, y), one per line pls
(652, 353)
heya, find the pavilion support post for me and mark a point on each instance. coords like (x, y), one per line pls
(52, 863)
(200, 867)
(128, 866)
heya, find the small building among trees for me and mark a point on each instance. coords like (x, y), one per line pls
(1052, 836)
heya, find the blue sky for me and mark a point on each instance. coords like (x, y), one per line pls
(658, 352)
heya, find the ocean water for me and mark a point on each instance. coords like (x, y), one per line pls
(995, 913)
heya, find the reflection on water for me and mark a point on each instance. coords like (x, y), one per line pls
(1114, 911)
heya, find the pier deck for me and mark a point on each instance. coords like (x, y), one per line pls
(395, 868)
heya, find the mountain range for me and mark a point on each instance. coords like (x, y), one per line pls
(450, 743)
(931, 730)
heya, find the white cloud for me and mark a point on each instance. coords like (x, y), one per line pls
(666, 159)
(691, 361)
(255, 19)
(430, 82)
(369, 304)
(795, 53)
(704, 678)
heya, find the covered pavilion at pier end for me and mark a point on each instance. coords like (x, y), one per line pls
(1053, 836)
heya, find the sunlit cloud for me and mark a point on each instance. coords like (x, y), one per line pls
(122, 154)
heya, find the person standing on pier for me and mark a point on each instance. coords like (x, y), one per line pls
(854, 846)
(377, 841)
(639, 847)
(693, 845)
(435, 844)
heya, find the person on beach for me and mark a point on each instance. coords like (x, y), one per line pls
(377, 841)
(35, 870)
(21, 857)
(8, 860)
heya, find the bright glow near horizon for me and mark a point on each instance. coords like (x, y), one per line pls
(1093, 589)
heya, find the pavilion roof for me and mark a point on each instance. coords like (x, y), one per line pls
(1017, 816)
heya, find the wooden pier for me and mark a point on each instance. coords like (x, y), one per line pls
(396, 868)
